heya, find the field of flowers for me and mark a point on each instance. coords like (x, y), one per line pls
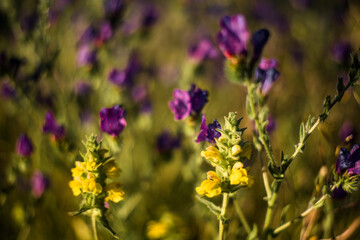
(183, 119)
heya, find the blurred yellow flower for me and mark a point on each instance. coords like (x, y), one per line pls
(212, 154)
(79, 169)
(211, 186)
(76, 186)
(111, 169)
(246, 150)
(90, 185)
(156, 230)
(92, 165)
(239, 176)
(114, 192)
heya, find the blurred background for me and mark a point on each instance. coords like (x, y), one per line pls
(75, 57)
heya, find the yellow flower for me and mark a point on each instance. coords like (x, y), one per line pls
(239, 176)
(246, 150)
(90, 185)
(91, 165)
(235, 150)
(212, 154)
(79, 169)
(114, 192)
(111, 169)
(156, 230)
(76, 186)
(210, 187)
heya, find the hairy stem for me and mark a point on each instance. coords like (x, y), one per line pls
(222, 215)
(93, 223)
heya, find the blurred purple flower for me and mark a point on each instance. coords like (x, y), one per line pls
(56, 8)
(347, 132)
(88, 36)
(208, 133)
(340, 52)
(266, 74)
(52, 127)
(205, 49)
(112, 120)
(82, 88)
(165, 142)
(105, 32)
(150, 16)
(113, 7)
(267, 11)
(233, 36)
(139, 93)
(349, 160)
(7, 90)
(258, 40)
(28, 23)
(86, 56)
(24, 146)
(271, 126)
(188, 102)
(39, 183)
(125, 78)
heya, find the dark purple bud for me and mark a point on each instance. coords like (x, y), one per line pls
(88, 36)
(271, 126)
(341, 52)
(150, 16)
(347, 132)
(39, 183)
(208, 133)
(233, 36)
(266, 74)
(52, 127)
(198, 98)
(258, 40)
(112, 120)
(181, 105)
(347, 160)
(86, 56)
(24, 146)
(165, 142)
(7, 90)
(202, 51)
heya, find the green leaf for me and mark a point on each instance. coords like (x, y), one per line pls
(106, 225)
(213, 208)
(249, 110)
(302, 132)
(284, 213)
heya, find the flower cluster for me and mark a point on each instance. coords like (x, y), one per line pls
(52, 127)
(266, 74)
(188, 103)
(90, 178)
(227, 156)
(208, 133)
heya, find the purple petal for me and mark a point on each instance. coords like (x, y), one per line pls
(24, 146)
(112, 120)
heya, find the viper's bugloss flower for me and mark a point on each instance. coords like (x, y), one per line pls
(208, 133)
(52, 127)
(347, 132)
(166, 142)
(105, 32)
(233, 37)
(341, 51)
(198, 98)
(7, 90)
(39, 183)
(212, 154)
(24, 146)
(205, 49)
(258, 40)
(239, 176)
(349, 161)
(211, 186)
(181, 105)
(125, 78)
(266, 74)
(112, 120)
(156, 230)
(114, 192)
(113, 7)
(86, 56)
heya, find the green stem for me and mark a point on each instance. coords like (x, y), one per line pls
(242, 218)
(275, 186)
(93, 223)
(265, 177)
(222, 215)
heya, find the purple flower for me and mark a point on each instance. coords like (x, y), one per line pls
(24, 146)
(271, 126)
(82, 88)
(51, 126)
(125, 78)
(150, 16)
(39, 183)
(266, 74)
(112, 120)
(105, 33)
(258, 40)
(113, 7)
(139, 93)
(188, 102)
(165, 142)
(202, 51)
(7, 91)
(347, 132)
(340, 52)
(208, 133)
(349, 160)
(233, 36)
(86, 56)
(88, 36)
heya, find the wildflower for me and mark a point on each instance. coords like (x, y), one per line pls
(7, 90)
(165, 142)
(105, 32)
(266, 74)
(113, 7)
(51, 126)
(90, 185)
(76, 186)
(112, 120)
(235, 150)
(24, 146)
(212, 154)
(111, 169)
(114, 192)
(258, 40)
(202, 51)
(198, 98)
(80, 168)
(349, 161)
(239, 176)
(86, 56)
(125, 78)
(211, 186)
(39, 183)
(233, 37)
(208, 133)
(271, 126)
(156, 230)
(347, 132)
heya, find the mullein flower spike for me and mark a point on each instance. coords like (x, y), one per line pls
(91, 177)
(227, 156)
